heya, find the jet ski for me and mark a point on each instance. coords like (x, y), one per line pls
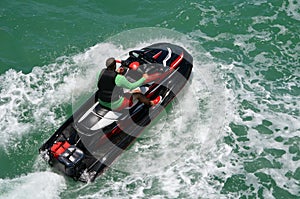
(90, 140)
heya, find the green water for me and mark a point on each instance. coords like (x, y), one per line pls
(234, 131)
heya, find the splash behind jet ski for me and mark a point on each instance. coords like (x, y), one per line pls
(94, 136)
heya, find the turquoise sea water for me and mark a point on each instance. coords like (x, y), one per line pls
(234, 131)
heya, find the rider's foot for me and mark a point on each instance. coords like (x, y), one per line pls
(156, 100)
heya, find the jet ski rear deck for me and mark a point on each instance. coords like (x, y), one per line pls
(94, 136)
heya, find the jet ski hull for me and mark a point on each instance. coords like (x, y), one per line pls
(94, 136)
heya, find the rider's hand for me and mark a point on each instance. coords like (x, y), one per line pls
(146, 76)
(120, 70)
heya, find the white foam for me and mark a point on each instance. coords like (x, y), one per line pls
(188, 142)
(283, 116)
(45, 185)
(28, 101)
(293, 9)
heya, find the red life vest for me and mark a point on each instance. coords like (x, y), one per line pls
(59, 147)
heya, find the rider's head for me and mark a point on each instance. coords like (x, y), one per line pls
(111, 63)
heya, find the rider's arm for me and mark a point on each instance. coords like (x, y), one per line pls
(123, 82)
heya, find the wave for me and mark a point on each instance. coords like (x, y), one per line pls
(178, 153)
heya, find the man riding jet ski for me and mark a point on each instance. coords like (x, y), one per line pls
(105, 125)
(111, 84)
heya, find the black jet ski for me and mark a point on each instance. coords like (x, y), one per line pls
(94, 136)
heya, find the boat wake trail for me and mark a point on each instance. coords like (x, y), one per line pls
(180, 150)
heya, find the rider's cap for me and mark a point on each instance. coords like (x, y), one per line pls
(110, 62)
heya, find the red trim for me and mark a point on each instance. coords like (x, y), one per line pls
(126, 103)
(118, 61)
(152, 77)
(108, 135)
(157, 55)
(177, 61)
(115, 130)
(162, 76)
(134, 65)
(151, 88)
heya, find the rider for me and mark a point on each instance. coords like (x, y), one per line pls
(111, 84)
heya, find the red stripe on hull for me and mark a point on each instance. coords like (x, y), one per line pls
(177, 61)
(157, 55)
